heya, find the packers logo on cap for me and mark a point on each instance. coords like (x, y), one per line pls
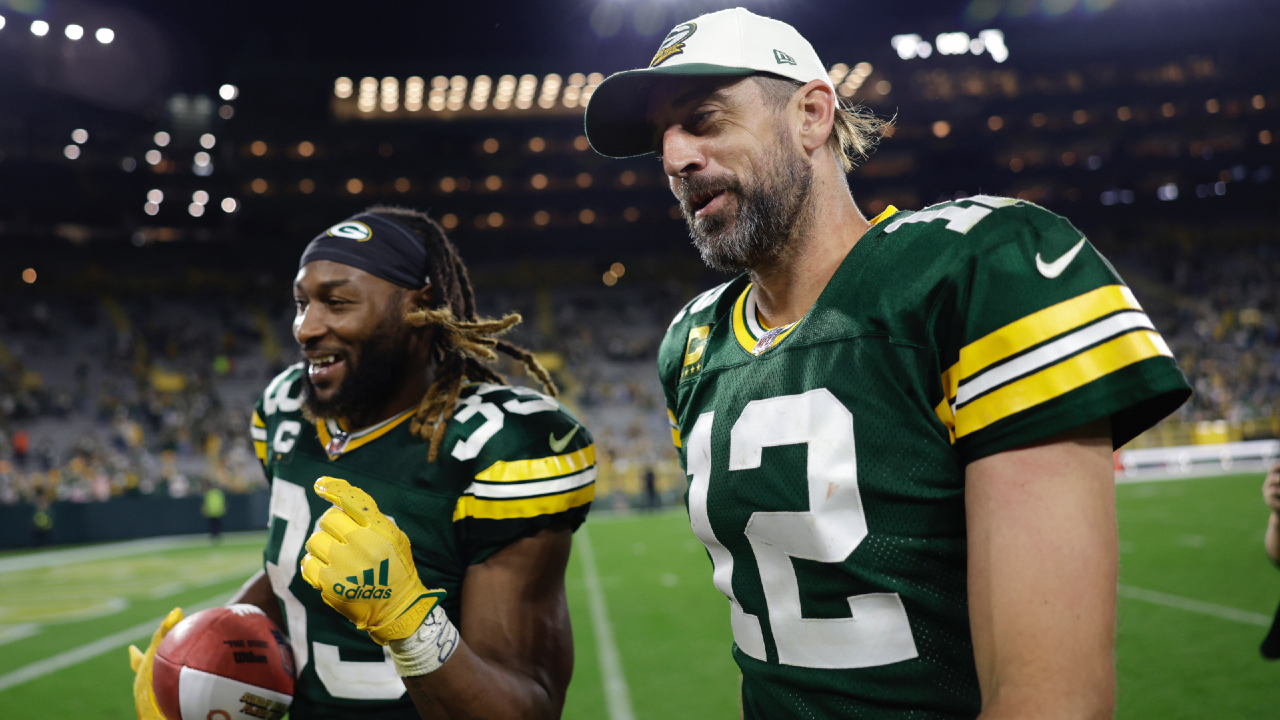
(351, 230)
(673, 43)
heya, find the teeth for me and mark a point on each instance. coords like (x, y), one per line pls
(324, 360)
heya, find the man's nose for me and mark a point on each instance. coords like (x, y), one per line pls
(681, 153)
(309, 324)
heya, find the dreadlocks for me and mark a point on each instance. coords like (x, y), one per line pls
(464, 342)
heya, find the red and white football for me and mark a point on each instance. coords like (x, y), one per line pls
(224, 663)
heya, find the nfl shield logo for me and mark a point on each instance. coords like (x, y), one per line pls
(337, 445)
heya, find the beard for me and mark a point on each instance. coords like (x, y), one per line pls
(771, 207)
(369, 380)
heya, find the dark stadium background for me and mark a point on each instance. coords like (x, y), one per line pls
(136, 334)
(156, 191)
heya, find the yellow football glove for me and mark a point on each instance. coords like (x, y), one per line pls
(144, 698)
(362, 565)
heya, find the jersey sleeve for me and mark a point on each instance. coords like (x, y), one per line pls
(1038, 334)
(258, 435)
(670, 354)
(682, 352)
(538, 470)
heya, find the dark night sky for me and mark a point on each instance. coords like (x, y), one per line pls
(238, 39)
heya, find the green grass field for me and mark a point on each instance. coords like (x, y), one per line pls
(1196, 594)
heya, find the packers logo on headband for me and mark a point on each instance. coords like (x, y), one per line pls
(351, 230)
(673, 43)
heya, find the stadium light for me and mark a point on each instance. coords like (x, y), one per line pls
(153, 157)
(161, 138)
(993, 42)
(343, 87)
(71, 151)
(155, 196)
(414, 87)
(1, 22)
(196, 209)
(911, 45)
(954, 43)
(207, 141)
(390, 97)
(200, 197)
(105, 35)
(151, 208)
(228, 92)
(368, 94)
(39, 28)
(74, 32)
(229, 205)
(80, 136)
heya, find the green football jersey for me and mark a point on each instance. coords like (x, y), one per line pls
(826, 459)
(512, 462)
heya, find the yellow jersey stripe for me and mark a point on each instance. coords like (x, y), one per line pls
(948, 418)
(888, 212)
(257, 420)
(260, 449)
(471, 506)
(740, 330)
(743, 333)
(322, 430)
(675, 429)
(1057, 380)
(1035, 329)
(540, 468)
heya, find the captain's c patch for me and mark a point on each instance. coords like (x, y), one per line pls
(694, 349)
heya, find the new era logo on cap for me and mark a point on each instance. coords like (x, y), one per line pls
(726, 43)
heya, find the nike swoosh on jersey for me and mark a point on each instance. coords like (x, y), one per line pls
(559, 445)
(1055, 268)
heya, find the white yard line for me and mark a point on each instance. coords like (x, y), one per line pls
(617, 695)
(78, 655)
(70, 556)
(1205, 473)
(1195, 606)
(14, 633)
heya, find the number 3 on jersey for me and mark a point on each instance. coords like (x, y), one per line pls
(877, 632)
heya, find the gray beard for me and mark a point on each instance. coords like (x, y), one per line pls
(770, 213)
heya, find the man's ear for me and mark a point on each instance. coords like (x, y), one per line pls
(817, 105)
(422, 298)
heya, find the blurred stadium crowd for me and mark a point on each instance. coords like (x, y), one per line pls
(134, 397)
(118, 397)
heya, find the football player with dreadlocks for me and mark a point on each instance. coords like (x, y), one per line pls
(424, 469)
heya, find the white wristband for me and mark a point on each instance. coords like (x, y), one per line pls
(427, 648)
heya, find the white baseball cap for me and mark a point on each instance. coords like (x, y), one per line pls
(724, 43)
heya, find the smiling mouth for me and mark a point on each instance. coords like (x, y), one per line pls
(321, 368)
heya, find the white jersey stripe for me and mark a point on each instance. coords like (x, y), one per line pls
(1052, 353)
(512, 491)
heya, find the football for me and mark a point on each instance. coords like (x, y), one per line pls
(224, 663)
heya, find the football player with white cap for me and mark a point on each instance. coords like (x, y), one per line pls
(897, 431)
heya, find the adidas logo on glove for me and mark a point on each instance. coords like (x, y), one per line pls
(365, 590)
